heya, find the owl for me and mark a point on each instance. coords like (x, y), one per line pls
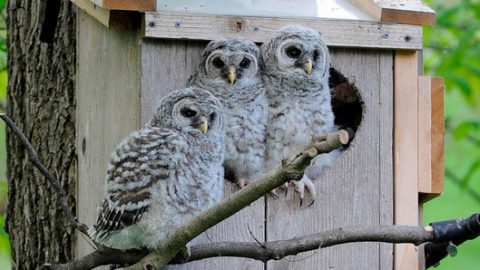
(164, 174)
(230, 70)
(295, 71)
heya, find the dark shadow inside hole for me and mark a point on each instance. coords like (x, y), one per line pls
(346, 102)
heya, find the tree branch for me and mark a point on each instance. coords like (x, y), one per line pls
(276, 250)
(50, 177)
(289, 170)
(267, 251)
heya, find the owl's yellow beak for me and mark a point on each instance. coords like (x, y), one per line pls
(203, 126)
(232, 75)
(308, 66)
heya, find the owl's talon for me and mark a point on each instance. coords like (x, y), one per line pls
(273, 194)
(305, 184)
(313, 201)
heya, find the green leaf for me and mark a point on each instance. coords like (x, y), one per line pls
(475, 167)
(465, 128)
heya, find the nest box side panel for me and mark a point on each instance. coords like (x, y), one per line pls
(358, 188)
(167, 65)
(108, 108)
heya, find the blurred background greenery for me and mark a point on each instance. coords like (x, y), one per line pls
(452, 51)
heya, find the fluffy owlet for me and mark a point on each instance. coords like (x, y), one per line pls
(164, 174)
(230, 70)
(295, 69)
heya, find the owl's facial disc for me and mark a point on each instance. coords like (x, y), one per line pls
(188, 113)
(296, 56)
(231, 66)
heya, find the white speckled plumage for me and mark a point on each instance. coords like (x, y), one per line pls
(244, 101)
(164, 174)
(298, 96)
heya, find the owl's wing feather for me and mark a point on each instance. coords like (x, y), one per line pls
(140, 161)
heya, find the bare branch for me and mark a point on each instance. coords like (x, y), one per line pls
(276, 250)
(50, 177)
(267, 251)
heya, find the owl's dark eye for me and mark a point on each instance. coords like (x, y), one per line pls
(245, 63)
(212, 117)
(293, 52)
(218, 63)
(189, 113)
(316, 54)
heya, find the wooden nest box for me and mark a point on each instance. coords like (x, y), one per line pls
(130, 53)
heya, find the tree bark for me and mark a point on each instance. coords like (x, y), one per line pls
(41, 100)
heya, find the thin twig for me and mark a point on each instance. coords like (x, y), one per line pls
(50, 177)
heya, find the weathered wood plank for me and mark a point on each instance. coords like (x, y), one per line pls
(438, 135)
(134, 5)
(107, 108)
(386, 153)
(424, 134)
(116, 19)
(166, 66)
(403, 11)
(358, 188)
(405, 149)
(361, 34)
(435, 187)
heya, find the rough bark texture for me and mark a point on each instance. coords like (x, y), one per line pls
(41, 42)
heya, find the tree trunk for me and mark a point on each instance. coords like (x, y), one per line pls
(41, 100)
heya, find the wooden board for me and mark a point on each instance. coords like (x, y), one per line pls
(358, 188)
(437, 167)
(337, 33)
(424, 134)
(167, 65)
(107, 108)
(405, 152)
(398, 11)
(116, 19)
(135, 5)
(333, 9)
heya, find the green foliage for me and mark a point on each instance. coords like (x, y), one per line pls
(452, 51)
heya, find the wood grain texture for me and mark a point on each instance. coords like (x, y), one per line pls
(166, 66)
(403, 11)
(360, 34)
(134, 5)
(357, 189)
(116, 19)
(424, 134)
(385, 108)
(108, 102)
(100, 14)
(438, 137)
(405, 152)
